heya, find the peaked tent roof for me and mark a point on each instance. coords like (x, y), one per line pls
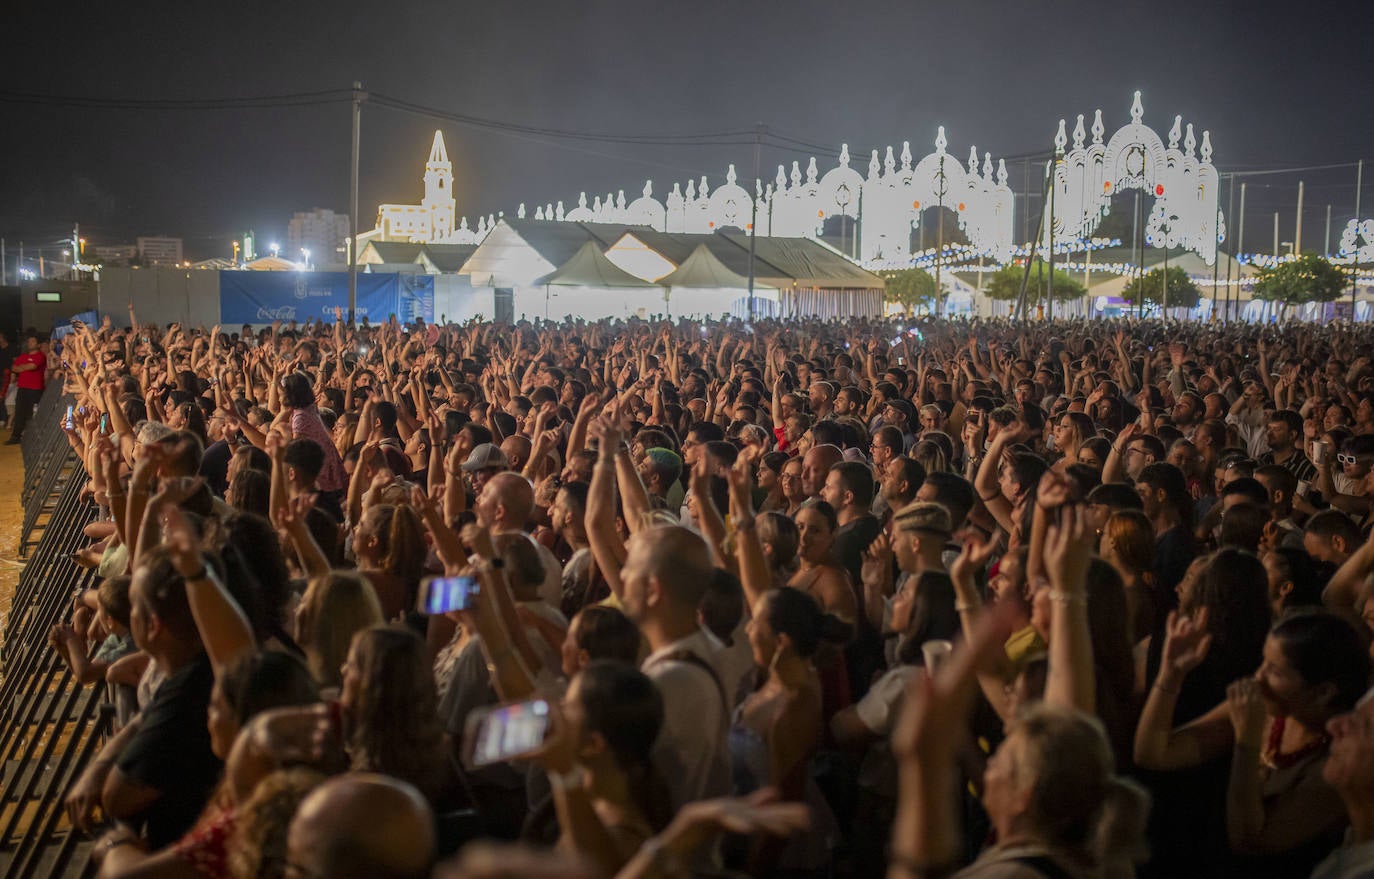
(447, 258)
(812, 263)
(588, 267)
(702, 269)
(393, 251)
(557, 240)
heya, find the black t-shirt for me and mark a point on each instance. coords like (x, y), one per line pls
(1174, 552)
(171, 752)
(214, 466)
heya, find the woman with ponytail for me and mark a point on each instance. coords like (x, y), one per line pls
(778, 729)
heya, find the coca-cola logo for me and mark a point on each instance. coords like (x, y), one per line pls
(283, 312)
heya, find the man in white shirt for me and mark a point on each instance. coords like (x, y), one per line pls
(665, 575)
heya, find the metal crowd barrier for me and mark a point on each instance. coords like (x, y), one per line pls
(47, 459)
(42, 441)
(51, 726)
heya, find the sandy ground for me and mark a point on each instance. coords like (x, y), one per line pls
(11, 520)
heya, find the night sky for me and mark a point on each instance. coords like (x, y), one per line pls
(1278, 85)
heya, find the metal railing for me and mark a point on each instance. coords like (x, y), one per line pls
(50, 724)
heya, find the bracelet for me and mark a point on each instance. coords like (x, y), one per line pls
(1059, 596)
(202, 574)
(992, 495)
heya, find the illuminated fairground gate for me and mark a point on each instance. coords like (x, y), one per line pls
(878, 212)
(1186, 212)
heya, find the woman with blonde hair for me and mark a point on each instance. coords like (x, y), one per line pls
(334, 608)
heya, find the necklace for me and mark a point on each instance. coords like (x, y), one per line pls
(1273, 759)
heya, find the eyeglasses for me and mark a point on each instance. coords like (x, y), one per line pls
(1353, 459)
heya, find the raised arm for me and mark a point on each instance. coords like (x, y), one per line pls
(1157, 744)
(1068, 552)
(224, 628)
(607, 548)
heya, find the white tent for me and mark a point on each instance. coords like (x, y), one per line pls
(592, 287)
(705, 286)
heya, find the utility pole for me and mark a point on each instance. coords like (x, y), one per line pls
(1276, 236)
(1240, 245)
(1054, 184)
(1326, 248)
(1355, 257)
(4, 266)
(754, 215)
(1297, 234)
(940, 239)
(358, 97)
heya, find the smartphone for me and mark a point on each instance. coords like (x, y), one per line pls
(105, 422)
(446, 594)
(71, 422)
(506, 732)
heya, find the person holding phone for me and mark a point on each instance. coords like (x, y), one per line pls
(598, 755)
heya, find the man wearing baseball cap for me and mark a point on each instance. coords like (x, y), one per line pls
(484, 462)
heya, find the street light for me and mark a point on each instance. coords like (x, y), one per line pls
(274, 247)
(305, 256)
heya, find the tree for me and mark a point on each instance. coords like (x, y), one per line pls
(909, 288)
(1309, 278)
(1183, 293)
(1005, 284)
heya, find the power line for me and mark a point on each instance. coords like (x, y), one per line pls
(295, 99)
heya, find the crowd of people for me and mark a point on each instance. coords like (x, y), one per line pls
(802, 599)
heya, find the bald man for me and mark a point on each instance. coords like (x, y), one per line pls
(517, 450)
(365, 826)
(666, 572)
(816, 467)
(506, 503)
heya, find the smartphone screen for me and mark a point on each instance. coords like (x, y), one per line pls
(71, 423)
(446, 594)
(105, 423)
(507, 732)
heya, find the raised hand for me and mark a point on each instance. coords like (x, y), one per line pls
(1186, 642)
(1245, 706)
(972, 558)
(1068, 550)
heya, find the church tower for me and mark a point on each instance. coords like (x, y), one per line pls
(438, 202)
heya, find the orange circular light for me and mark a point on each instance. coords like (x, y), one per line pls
(749, 227)
(961, 205)
(1107, 186)
(711, 225)
(820, 213)
(1159, 189)
(916, 205)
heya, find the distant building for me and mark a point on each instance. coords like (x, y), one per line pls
(159, 251)
(431, 221)
(322, 232)
(115, 254)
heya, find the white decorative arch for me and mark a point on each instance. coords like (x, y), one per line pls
(581, 213)
(730, 206)
(647, 210)
(1358, 241)
(1183, 184)
(840, 190)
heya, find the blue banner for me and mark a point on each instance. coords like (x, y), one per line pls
(416, 298)
(264, 297)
